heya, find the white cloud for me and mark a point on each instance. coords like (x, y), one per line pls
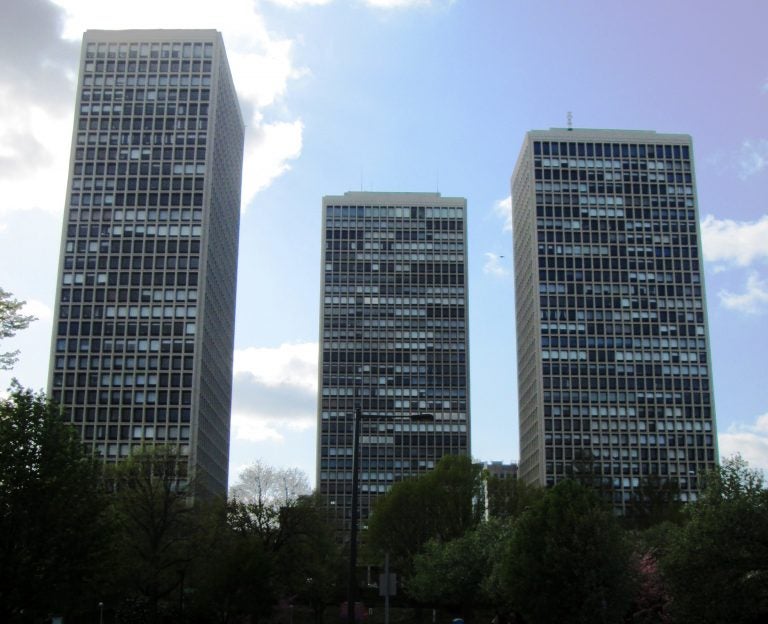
(246, 427)
(503, 209)
(493, 265)
(751, 441)
(295, 4)
(37, 87)
(397, 4)
(752, 301)
(36, 96)
(37, 309)
(735, 242)
(275, 391)
(294, 364)
(268, 150)
(752, 157)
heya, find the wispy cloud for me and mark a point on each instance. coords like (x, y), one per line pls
(494, 266)
(734, 242)
(275, 391)
(269, 150)
(752, 157)
(37, 309)
(751, 441)
(376, 4)
(503, 209)
(37, 84)
(294, 364)
(753, 300)
(397, 4)
(297, 4)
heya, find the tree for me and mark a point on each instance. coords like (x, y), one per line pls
(650, 604)
(717, 564)
(156, 529)
(51, 506)
(567, 560)
(508, 498)
(266, 485)
(657, 500)
(442, 504)
(309, 565)
(235, 578)
(11, 321)
(264, 554)
(454, 575)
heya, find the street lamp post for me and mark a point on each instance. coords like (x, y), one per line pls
(353, 524)
(355, 504)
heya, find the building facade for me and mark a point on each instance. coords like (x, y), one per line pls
(393, 341)
(143, 340)
(614, 371)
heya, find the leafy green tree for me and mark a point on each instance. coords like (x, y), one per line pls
(717, 564)
(235, 578)
(11, 321)
(156, 529)
(309, 564)
(568, 560)
(657, 500)
(442, 504)
(508, 498)
(51, 508)
(454, 575)
(264, 553)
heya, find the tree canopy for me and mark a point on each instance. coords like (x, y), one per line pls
(568, 560)
(442, 504)
(455, 575)
(717, 564)
(51, 510)
(262, 484)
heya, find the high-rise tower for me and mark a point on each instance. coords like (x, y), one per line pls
(143, 341)
(614, 371)
(393, 340)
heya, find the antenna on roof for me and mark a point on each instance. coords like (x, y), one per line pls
(569, 117)
(438, 181)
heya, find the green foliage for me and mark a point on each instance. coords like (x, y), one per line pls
(11, 321)
(263, 553)
(50, 510)
(508, 498)
(717, 565)
(155, 528)
(454, 575)
(657, 500)
(567, 560)
(309, 566)
(235, 577)
(442, 504)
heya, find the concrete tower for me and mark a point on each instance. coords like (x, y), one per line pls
(145, 308)
(393, 340)
(614, 371)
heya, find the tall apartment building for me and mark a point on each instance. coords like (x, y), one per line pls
(393, 341)
(614, 371)
(143, 339)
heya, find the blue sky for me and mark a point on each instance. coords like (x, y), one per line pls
(413, 95)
